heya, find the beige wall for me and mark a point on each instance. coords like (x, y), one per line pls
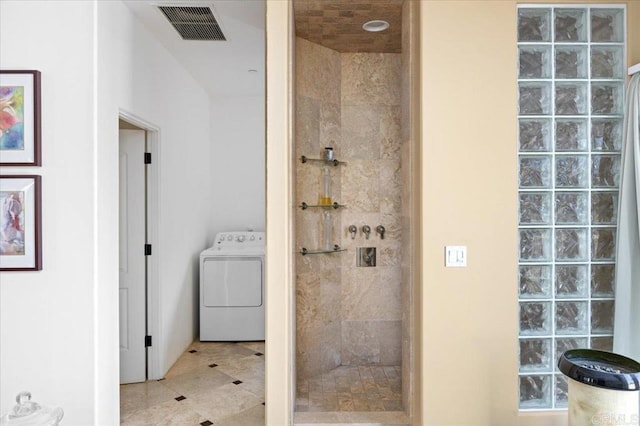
(469, 316)
(469, 190)
(279, 245)
(469, 182)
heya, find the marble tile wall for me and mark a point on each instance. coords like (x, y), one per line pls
(318, 277)
(348, 315)
(371, 189)
(408, 157)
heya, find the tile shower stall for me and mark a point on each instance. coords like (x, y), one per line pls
(352, 323)
(571, 87)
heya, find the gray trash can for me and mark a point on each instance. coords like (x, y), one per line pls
(604, 388)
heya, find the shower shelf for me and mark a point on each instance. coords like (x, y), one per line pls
(336, 163)
(336, 206)
(336, 249)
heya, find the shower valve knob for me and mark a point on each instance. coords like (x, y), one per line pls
(366, 229)
(353, 231)
(380, 230)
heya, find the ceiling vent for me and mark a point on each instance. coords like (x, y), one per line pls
(193, 23)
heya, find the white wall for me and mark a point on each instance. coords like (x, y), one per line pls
(138, 75)
(238, 163)
(46, 318)
(58, 327)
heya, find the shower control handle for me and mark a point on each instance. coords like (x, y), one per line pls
(353, 230)
(366, 230)
(380, 230)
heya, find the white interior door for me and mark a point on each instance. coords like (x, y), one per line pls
(132, 258)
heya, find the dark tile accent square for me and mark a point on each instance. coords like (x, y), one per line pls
(258, 354)
(213, 365)
(180, 398)
(206, 423)
(237, 382)
(192, 351)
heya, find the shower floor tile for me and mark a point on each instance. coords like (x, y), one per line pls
(352, 388)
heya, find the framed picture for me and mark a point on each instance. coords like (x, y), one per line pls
(20, 222)
(19, 118)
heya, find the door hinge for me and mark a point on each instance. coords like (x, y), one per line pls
(147, 249)
(147, 341)
(147, 158)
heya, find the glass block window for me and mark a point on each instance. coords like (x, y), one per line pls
(571, 87)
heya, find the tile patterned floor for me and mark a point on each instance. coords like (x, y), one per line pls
(212, 383)
(352, 388)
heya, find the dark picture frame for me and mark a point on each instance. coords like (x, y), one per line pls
(20, 223)
(20, 118)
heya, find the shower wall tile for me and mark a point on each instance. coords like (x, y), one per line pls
(390, 187)
(317, 349)
(371, 79)
(330, 353)
(393, 225)
(405, 155)
(361, 185)
(361, 133)
(309, 233)
(407, 62)
(345, 314)
(318, 280)
(390, 253)
(372, 186)
(307, 125)
(372, 294)
(307, 304)
(311, 188)
(372, 342)
(330, 124)
(407, 177)
(390, 133)
(330, 298)
(317, 72)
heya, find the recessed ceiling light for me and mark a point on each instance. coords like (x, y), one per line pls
(375, 25)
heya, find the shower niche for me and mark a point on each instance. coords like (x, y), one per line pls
(354, 324)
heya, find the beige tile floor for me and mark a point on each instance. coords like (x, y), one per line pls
(212, 383)
(352, 388)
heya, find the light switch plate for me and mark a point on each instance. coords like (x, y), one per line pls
(455, 256)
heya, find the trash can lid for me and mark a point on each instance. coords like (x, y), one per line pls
(601, 369)
(29, 413)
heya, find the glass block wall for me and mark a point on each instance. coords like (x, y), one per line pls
(571, 86)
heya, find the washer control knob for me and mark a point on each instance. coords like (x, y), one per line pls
(253, 237)
(240, 238)
(230, 238)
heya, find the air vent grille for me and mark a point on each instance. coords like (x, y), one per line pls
(193, 23)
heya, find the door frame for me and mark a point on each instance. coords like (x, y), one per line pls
(154, 329)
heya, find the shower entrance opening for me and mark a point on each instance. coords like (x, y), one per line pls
(355, 224)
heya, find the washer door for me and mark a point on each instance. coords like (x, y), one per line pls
(232, 282)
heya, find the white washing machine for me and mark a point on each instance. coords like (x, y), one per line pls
(232, 288)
